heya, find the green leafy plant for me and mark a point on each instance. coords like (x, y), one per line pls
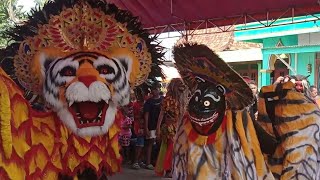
(10, 15)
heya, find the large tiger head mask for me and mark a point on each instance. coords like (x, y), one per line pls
(83, 59)
(85, 88)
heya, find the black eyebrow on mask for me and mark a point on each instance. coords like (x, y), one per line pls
(213, 94)
(84, 60)
(83, 54)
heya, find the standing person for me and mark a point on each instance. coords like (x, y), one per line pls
(253, 110)
(151, 113)
(133, 138)
(125, 134)
(314, 95)
(139, 131)
(147, 94)
(172, 110)
(254, 107)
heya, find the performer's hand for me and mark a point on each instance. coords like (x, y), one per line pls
(279, 80)
(256, 115)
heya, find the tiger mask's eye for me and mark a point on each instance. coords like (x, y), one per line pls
(105, 69)
(68, 71)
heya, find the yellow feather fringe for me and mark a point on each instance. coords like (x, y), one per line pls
(5, 116)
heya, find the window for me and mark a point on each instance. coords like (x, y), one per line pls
(253, 76)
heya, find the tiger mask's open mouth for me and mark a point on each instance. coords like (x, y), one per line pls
(88, 113)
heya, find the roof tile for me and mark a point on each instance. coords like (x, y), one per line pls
(219, 41)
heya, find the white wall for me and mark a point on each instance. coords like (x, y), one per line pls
(309, 39)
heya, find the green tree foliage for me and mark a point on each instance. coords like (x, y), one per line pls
(10, 15)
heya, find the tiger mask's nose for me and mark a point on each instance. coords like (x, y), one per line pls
(87, 80)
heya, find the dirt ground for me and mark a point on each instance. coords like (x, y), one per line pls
(141, 174)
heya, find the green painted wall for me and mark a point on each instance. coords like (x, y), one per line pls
(303, 60)
(292, 49)
(259, 75)
(265, 77)
(281, 26)
(288, 34)
(272, 42)
(286, 41)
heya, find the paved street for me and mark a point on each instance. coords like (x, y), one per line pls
(141, 174)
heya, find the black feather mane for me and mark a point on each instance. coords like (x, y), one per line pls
(41, 16)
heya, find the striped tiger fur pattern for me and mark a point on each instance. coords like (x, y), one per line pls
(234, 154)
(85, 88)
(293, 119)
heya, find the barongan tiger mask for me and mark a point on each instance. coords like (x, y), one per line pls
(85, 88)
(207, 107)
(83, 61)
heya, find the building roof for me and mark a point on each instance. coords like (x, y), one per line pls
(243, 55)
(219, 41)
(225, 45)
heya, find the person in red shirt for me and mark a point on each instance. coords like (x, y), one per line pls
(139, 131)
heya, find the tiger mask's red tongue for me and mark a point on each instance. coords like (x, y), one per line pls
(88, 110)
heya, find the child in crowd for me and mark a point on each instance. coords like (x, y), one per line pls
(125, 134)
